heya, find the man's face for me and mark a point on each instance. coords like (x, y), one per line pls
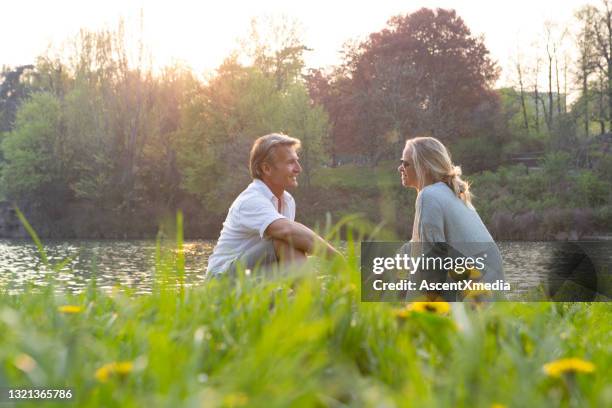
(283, 169)
(406, 170)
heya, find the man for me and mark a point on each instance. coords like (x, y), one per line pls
(260, 227)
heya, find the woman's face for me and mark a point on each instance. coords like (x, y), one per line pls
(406, 169)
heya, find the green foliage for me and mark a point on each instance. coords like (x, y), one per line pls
(88, 134)
(105, 132)
(564, 131)
(604, 166)
(14, 89)
(108, 141)
(591, 191)
(477, 153)
(35, 152)
(384, 175)
(309, 124)
(515, 203)
(556, 166)
(218, 128)
(522, 139)
(221, 122)
(302, 338)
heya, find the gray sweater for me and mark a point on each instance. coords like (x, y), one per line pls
(441, 216)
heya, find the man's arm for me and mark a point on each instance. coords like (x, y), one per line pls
(299, 236)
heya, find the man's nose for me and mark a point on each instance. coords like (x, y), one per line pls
(299, 168)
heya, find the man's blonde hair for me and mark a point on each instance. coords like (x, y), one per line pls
(433, 160)
(263, 151)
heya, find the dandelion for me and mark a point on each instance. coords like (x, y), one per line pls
(401, 314)
(119, 368)
(477, 295)
(568, 365)
(70, 309)
(474, 273)
(237, 399)
(440, 308)
(497, 405)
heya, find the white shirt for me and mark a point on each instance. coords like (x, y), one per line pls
(247, 219)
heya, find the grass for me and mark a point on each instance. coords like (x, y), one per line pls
(384, 175)
(298, 339)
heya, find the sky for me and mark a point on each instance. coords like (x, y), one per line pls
(201, 34)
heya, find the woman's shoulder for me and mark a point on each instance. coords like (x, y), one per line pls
(436, 191)
(439, 195)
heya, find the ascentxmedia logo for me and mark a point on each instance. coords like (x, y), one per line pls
(516, 271)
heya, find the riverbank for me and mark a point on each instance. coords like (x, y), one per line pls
(514, 204)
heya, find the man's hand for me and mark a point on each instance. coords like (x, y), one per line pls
(299, 236)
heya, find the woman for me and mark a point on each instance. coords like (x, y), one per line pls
(444, 211)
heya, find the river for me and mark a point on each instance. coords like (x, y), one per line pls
(131, 263)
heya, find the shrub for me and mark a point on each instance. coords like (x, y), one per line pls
(590, 191)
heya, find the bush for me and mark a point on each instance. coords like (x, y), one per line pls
(590, 191)
(477, 154)
(556, 165)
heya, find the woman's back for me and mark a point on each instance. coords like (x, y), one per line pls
(441, 216)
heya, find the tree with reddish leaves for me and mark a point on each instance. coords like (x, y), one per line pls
(333, 92)
(424, 74)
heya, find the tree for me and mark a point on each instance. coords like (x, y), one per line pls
(218, 126)
(275, 48)
(425, 73)
(159, 173)
(333, 92)
(519, 72)
(36, 154)
(602, 28)
(585, 40)
(309, 123)
(13, 90)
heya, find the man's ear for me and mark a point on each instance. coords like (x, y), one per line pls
(266, 168)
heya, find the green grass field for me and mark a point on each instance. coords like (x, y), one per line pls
(300, 339)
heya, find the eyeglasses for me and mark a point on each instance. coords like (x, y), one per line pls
(404, 163)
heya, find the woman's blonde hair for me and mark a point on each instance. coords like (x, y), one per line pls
(432, 162)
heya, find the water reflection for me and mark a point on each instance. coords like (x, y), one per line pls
(132, 264)
(112, 263)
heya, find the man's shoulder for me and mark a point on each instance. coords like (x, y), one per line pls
(250, 197)
(288, 196)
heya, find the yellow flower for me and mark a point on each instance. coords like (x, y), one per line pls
(238, 399)
(70, 309)
(474, 273)
(477, 295)
(120, 368)
(568, 365)
(497, 405)
(465, 273)
(401, 314)
(440, 308)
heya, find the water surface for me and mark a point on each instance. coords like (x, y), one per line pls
(131, 263)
